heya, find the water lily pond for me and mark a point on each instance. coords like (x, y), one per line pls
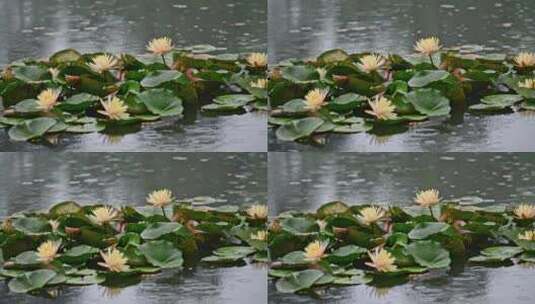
(473, 182)
(125, 27)
(306, 29)
(36, 181)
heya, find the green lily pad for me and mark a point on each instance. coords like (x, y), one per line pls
(32, 280)
(85, 280)
(424, 78)
(429, 102)
(347, 254)
(27, 106)
(300, 74)
(162, 254)
(233, 251)
(424, 230)
(502, 252)
(347, 102)
(79, 254)
(294, 258)
(79, 102)
(298, 281)
(30, 73)
(332, 56)
(299, 128)
(299, 225)
(429, 254)
(161, 102)
(156, 230)
(31, 225)
(156, 78)
(68, 55)
(27, 258)
(31, 128)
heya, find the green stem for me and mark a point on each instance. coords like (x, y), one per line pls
(431, 210)
(163, 58)
(431, 58)
(163, 211)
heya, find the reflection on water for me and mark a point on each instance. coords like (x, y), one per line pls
(302, 28)
(304, 181)
(36, 181)
(36, 28)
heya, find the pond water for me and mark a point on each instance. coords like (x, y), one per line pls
(35, 28)
(37, 180)
(304, 28)
(304, 181)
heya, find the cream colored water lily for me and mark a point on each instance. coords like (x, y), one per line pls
(315, 99)
(48, 251)
(260, 235)
(160, 198)
(315, 250)
(382, 108)
(525, 211)
(427, 198)
(370, 63)
(428, 46)
(47, 99)
(382, 260)
(257, 211)
(114, 108)
(259, 83)
(103, 215)
(371, 215)
(102, 63)
(160, 46)
(257, 60)
(527, 84)
(527, 236)
(524, 60)
(114, 260)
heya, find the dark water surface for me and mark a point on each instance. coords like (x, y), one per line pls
(36, 181)
(304, 28)
(38, 28)
(304, 181)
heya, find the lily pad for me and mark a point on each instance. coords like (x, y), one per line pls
(299, 226)
(156, 78)
(79, 102)
(424, 230)
(162, 254)
(429, 102)
(429, 254)
(300, 74)
(347, 254)
(156, 230)
(347, 102)
(31, 128)
(298, 281)
(31, 225)
(161, 102)
(299, 128)
(32, 280)
(424, 78)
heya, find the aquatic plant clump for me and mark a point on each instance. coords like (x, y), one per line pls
(72, 92)
(71, 244)
(338, 92)
(380, 245)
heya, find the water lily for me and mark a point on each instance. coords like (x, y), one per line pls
(527, 236)
(428, 46)
(382, 260)
(160, 46)
(260, 235)
(371, 215)
(370, 63)
(103, 215)
(525, 211)
(257, 60)
(527, 84)
(315, 250)
(257, 211)
(160, 198)
(114, 108)
(382, 108)
(102, 63)
(47, 99)
(114, 260)
(315, 99)
(524, 60)
(47, 251)
(259, 83)
(427, 198)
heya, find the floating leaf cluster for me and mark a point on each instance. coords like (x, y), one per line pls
(71, 244)
(338, 92)
(380, 245)
(72, 92)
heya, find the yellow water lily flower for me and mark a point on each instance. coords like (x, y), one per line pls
(315, 250)
(114, 108)
(257, 60)
(47, 251)
(527, 84)
(382, 108)
(382, 260)
(428, 46)
(103, 215)
(427, 198)
(315, 99)
(160, 198)
(525, 211)
(102, 63)
(371, 215)
(260, 235)
(114, 260)
(370, 63)
(257, 211)
(527, 236)
(160, 46)
(524, 60)
(260, 83)
(47, 99)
